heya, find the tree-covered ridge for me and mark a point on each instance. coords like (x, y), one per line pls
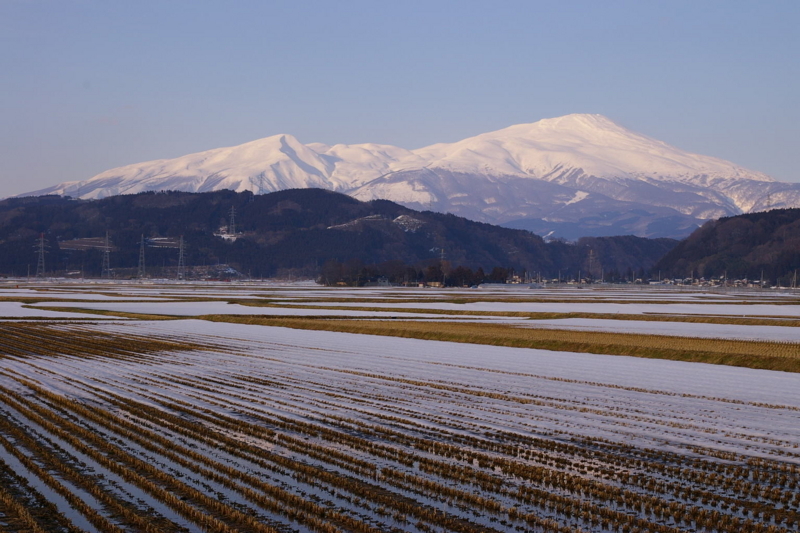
(293, 231)
(744, 246)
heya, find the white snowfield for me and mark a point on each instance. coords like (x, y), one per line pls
(11, 310)
(301, 300)
(559, 169)
(67, 294)
(708, 309)
(675, 329)
(223, 308)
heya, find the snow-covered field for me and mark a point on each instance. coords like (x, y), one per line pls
(191, 425)
(223, 308)
(677, 329)
(730, 309)
(13, 310)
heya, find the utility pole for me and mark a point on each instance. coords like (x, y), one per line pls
(141, 271)
(106, 270)
(40, 262)
(181, 262)
(441, 265)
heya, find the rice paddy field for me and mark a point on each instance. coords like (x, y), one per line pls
(290, 407)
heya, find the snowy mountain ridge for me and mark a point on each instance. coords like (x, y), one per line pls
(576, 169)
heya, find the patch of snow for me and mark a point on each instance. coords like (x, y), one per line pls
(579, 195)
(408, 223)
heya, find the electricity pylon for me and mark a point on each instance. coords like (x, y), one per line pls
(141, 271)
(260, 179)
(40, 263)
(181, 261)
(106, 271)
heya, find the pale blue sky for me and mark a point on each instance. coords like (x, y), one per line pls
(90, 85)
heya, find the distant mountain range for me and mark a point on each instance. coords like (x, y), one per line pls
(569, 176)
(294, 231)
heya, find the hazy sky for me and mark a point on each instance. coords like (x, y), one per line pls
(90, 85)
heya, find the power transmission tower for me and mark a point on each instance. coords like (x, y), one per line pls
(232, 223)
(181, 261)
(141, 271)
(260, 179)
(106, 271)
(40, 251)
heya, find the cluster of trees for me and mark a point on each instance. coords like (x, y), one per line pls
(354, 273)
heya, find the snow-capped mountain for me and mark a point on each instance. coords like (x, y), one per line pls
(569, 176)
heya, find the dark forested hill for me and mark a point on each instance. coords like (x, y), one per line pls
(288, 231)
(743, 246)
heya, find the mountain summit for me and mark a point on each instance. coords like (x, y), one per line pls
(569, 176)
(590, 145)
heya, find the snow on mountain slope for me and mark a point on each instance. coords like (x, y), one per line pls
(592, 145)
(357, 164)
(562, 170)
(270, 164)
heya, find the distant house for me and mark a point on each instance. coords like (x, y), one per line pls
(380, 282)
